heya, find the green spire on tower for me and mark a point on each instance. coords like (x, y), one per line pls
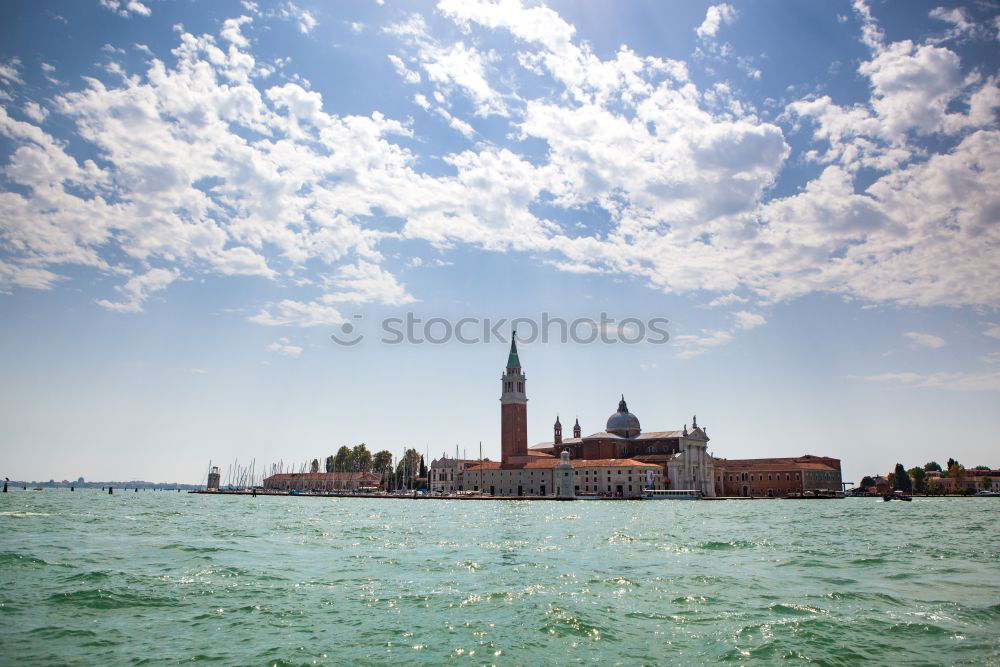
(512, 360)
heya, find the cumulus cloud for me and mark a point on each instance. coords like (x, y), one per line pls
(140, 288)
(715, 18)
(207, 169)
(366, 282)
(302, 17)
(126, 8)
(10, 70)
(924, 339)
(748, 320)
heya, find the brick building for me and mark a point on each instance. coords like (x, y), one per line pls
(776, 477)
(322, 481)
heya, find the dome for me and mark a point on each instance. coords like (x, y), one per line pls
(623, 422)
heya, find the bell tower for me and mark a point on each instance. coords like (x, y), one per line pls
(557, 432)
(576, 428)
(513, 407)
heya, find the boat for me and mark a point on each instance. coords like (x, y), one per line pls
(672, 494)
(897, 495)
(987, 494)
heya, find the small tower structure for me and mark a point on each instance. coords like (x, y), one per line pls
(213, 479)
(576, 428)
(557, 432)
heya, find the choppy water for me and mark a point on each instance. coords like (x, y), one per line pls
(87, 578)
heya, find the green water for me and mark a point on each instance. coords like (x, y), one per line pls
(87, 578)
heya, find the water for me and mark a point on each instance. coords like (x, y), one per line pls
(87, 578)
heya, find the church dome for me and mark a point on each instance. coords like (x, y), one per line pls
(623, 422)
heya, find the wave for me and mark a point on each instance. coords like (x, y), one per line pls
(99, 598)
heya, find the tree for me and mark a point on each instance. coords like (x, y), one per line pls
(361, 458)
(919, 477)
(901, 481)
(330, 464)
(866, 482)
(932, 466)
(342, 460)
(952, 463)
(957, 473)
(423, 467)
(982, 468)
(382, 461)
(407, 468)
(315, 466)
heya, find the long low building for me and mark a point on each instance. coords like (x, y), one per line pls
(776, 477)
(322, 481)
(542, 476)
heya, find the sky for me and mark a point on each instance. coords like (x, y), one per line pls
(199, 200)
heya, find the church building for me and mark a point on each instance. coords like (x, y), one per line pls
(557, 471)
(682, 455)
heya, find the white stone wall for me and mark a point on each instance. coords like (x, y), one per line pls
(693, 468)
(546, 481)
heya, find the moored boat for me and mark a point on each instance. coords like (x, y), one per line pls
(672, 494)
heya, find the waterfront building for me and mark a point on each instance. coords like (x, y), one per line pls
(322, 481)
(445, 474)
(969, 481)
(776, 477)
(682, 455)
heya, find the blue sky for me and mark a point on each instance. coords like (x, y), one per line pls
(195, 196)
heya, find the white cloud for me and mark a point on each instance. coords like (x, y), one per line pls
(285, 348)
(10, 70)
(715, 18)
(959, 19)
(408, 75)
(35, 111)
(304, 18)
(748, 320)
(207, 170)
(925, 339)
(978, 381)
(726, 300)
(139, 289)
(693, 345)
(25, 276)
(125, 8)
(289, 313)
(231, 31)
(993, 331)
(366, 282)
(457, 123)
